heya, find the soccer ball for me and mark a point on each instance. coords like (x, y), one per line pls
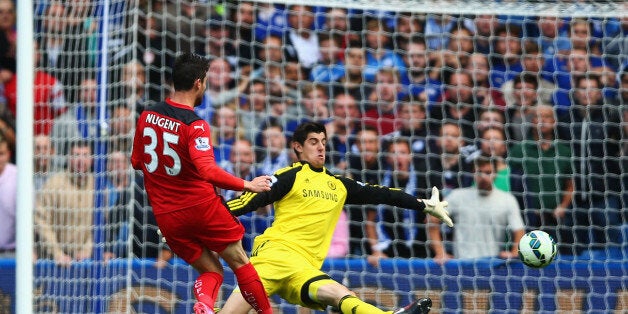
(537, 249)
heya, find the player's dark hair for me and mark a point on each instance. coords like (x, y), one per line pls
(301, 132)
(188, 68)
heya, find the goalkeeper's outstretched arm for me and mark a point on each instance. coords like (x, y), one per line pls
(359, 193)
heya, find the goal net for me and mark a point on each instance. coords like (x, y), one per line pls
(412, 92)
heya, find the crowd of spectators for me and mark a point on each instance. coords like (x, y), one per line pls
(409, 101)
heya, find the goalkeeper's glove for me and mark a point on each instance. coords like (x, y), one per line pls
(436, 208)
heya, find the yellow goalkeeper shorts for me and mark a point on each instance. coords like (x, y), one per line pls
(287, 273)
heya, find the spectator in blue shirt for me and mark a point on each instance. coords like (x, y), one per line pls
(437, 28)
(353, 81)
(616, 47)
(581, 36)
(423, 81)
(407, 24)
(378, 51)
(328, 68)
(483, 28)
(270, 19)
(553, 35)
(577, 62)
(506, 61)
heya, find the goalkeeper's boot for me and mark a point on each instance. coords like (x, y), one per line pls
(202, 308)
(420, 306)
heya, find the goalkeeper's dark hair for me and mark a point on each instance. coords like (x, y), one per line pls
(301, 132)
(188, 68)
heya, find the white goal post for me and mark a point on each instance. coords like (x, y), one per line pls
(115, 56)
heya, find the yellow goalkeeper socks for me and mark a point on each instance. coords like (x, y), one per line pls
(352, 305)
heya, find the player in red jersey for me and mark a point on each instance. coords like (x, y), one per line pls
(173, 149)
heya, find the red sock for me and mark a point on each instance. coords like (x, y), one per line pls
(252, 289)
(206, 288)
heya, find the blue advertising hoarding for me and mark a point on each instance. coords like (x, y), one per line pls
(496, 285)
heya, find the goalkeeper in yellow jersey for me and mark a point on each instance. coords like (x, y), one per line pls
(308, 199)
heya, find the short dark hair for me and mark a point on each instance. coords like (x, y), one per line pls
(323, 36)
(592, 77)
(397, 140)
(272, 123)
(527, 78)
(254, 82)
(418, 39)
(483, 160)
(412, 101)
(448, 73)
(369, 128)
(3, 138)
(188, 68)
(81, 142)
(623, 74)
(492, 110)
(307, 7)
(531, 47)
(355, 44)
(305, 128)
(500, 131)
(508, 29)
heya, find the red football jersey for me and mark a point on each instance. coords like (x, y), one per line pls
(384, 121)
(48, 96)
(172, 147)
